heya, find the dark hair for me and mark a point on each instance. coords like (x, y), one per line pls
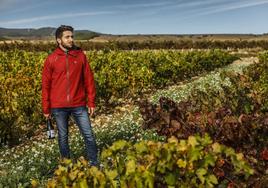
(61, 29)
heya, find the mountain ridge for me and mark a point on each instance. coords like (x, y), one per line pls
(48, 33)
(40, 33)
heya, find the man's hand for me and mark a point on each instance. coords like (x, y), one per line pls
(47, 116)
(91, 111)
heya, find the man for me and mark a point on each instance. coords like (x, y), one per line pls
(68, 89)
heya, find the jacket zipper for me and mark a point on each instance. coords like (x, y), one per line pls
(68, 78)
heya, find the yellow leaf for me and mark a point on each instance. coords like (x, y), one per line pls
(181, 163)
(173, 140)
(216, 147)
(239, 156)
(34, 183)
(192, 141)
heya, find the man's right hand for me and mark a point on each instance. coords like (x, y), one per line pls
(47, 116)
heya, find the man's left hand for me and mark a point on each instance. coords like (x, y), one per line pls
(91, 111)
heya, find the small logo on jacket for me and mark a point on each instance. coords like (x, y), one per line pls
(75, 62)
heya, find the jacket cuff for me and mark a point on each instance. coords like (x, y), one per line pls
(46, 111)
(91, 104)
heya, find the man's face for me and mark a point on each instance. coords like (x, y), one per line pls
(66, 40)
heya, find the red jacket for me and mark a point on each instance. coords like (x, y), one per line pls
(67, 81)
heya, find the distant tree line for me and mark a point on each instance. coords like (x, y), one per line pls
(136, 45)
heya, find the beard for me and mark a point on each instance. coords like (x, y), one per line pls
(68, 45)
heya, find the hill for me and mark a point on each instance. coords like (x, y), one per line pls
(41, 33)
(47, 33)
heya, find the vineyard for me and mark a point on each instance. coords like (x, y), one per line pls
(165, 118)
(141, 45)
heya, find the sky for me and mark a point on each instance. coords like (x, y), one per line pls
(140, 16)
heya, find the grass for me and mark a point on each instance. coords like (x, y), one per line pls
(211, 81)
(38, 158)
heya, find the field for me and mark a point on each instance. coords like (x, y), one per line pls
(164, 118)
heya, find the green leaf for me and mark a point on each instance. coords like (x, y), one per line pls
(212, 179)
(170, 179)
(83, 183)
(149, 179)
(118, 145)
(209, 159)
(194, 154)
(206, 140)
(229, 152)
(138, 181)
(161, 166)
(130, 167)
(111, 174)
(106, 153)
(200, 174)
(182, 146)
(141, 147)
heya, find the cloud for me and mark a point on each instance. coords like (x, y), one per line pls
(231, 6)
(177, 8)
(187, 10)
(183, 7)
(143, 5)
(53, 17)
(181, 11)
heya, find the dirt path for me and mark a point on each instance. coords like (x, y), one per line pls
(247, 60)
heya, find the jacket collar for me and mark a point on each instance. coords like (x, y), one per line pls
(73, 52)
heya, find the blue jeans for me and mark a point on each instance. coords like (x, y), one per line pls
(81, 118)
